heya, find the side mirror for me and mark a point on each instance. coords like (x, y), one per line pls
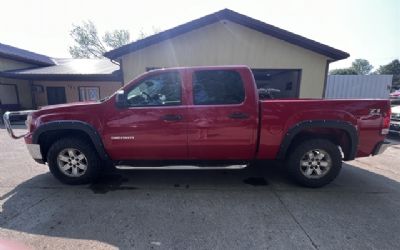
(120, 99)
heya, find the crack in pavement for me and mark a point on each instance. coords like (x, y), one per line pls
(295, 220)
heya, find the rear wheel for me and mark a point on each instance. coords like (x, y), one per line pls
(314, 163)
(73, 161)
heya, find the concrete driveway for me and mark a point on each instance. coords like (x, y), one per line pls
(255, 208)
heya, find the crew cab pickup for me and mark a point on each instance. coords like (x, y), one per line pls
(203, 118)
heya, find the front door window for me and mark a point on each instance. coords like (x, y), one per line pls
(158, 90)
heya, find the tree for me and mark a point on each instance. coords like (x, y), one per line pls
(362, 66)
(89, 44)
(345, 71)
(358, 67)
(393, 68)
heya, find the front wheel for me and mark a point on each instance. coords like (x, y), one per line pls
(73, 161)
(314, 163)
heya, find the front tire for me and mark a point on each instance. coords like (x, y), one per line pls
(314, 163)
(73, 161)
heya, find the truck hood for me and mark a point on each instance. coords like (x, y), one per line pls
(84, 107)
(67, 105)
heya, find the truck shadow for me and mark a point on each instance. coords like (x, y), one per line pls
(137, 208)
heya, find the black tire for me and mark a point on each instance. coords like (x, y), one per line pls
(92, 161)
(296, 158)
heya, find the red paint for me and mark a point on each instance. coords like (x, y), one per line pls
(207, 131)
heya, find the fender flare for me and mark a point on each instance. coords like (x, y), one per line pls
(74, 125)
(349, 128)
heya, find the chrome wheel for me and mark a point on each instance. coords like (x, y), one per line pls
(315, 163)
(72, 162)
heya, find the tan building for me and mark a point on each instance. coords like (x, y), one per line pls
(280, 59)
(30, 80)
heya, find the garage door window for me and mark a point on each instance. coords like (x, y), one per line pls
(278, 83)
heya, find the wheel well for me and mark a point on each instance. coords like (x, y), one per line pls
(47, 139)
(337, 136)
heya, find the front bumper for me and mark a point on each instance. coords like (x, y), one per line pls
(34, 151)
(381, 147)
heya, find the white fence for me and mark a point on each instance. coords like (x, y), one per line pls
(358, 86)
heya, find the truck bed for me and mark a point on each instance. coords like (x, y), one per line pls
(279, 117)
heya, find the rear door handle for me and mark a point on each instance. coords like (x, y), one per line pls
(172, 117)
(238, 115)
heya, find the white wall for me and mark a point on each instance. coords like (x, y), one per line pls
(358, 86)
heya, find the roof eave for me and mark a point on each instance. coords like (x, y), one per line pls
(230, 15)
(116, 76)
(25, 60)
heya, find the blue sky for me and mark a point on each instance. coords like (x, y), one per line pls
(367, 29)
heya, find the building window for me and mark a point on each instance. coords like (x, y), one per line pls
(89, 94)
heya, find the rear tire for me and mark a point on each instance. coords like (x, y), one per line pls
(314, 163)
(73, 161)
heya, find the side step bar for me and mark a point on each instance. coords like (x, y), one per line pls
(180, 167)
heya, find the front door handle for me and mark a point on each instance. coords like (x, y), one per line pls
(238, 115)
(171, 117)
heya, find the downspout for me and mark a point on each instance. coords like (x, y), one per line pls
(119, 63)
(326, 77)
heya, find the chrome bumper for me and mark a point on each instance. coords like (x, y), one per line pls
(6, 118)
(381, 147)
(34, 151)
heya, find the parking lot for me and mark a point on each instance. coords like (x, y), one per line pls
(254, 208)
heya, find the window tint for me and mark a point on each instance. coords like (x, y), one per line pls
(217, 87)
(158, 90)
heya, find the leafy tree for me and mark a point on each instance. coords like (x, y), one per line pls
(393, 68)
(345, 71)
(362, 66)
(358, 67)
(90, 45)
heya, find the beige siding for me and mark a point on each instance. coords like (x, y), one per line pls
(7, 64)
(72, 89)
(227, 43)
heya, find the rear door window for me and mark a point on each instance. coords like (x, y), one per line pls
(217, 87)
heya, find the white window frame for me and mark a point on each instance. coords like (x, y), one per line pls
(84, 94)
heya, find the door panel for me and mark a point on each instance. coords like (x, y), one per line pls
(155, 126)
(212, 134)
(148, 134)
(222, 125)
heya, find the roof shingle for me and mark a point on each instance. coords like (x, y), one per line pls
(70, 69)
(18, 54)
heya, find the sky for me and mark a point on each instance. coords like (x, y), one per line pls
(368, 29)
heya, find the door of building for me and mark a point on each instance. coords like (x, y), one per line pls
(56, 95)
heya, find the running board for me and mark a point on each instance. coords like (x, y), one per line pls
(181, 167)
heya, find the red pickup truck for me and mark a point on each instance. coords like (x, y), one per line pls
(204, 118)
